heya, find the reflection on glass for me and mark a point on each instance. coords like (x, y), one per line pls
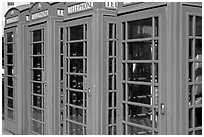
(190, 97)
(156, 115)
(37, 114)
(190, 25)
(190, 114)
(156, 44)
(198, 132)
(198, 26)
(37, 127)
(140, 29)
(138, 131)
(10, 114)
(198, 72)
(140, 50)
(10, 81)
(37, 62)
(198, 117)
(156, 96)
(76, 32)
(198, 94)
(10, 70)
(76, 114)
(37, 75)
(75, 129)
(156, 73)
(37, 35)
(198, 49)
(76, 82)
(140, 115)
(10, 59)
(76, 65)
(10, 92)
(76, 49)
(156, 29)
(37, 50)
(37, 88)
(10, 48)
(37, 101)
(139, 93)
(76, 98)
(140, 72)
(10, 103)
(110, 31)
(10, 37)
(190, 72)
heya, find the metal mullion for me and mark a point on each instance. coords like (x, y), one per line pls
(76, 57)
(40, 82)
(76, 41)
(10, 97)
(75, 122)
(36, 42)
(139, 126)
(40, 55)
(13, 109)
(78, 74)
(42, 109)
(41, 122)
(140, 61)
(42, 69)
(139, 40)
(10, 53)
(11, 76)
(75, 106)
(139, 104)
(11, 65)
(40, 95)
(141, 83)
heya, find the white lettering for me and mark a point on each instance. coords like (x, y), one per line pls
(12, 20)
(40, 15)
(80, 7)
(111, 5)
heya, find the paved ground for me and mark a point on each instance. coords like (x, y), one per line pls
(5, 132)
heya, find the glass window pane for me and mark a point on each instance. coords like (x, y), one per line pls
(37, 62)
(190, 98)
(76, 82)
(10, 59)
(198, 132)
(190, 118)
(76, 98)
(110, 31)
(140, 115)
(140, 29)
(111, 82)
(190, 49)
(76, 114)
(110, 65)
(37, 75)
(140, 50)
(37, 127)
(156, 28)
(76, 65)
(110, 48)
(76, 49)
(37, 88)
(110, 111)
(190, 25)
(138, 131)
(156, 47)
(10, 48)
(10, 81)
(123, 31)
(37, 114)
(61, 33)
(198, 49)
(10, 92)
(110, 97)
(10, 103)
(37, 49)
(10, 37)
(190, 75)
(198, 72)
(140, 93)
(140, 72)
(10, 70)
(198, 94)
(198, 117)
(75, 129)
(10, 114)
(198, 26)
(76, 32)
(37, 35)
(37, 101)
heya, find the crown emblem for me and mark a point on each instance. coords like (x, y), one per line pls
(39, 6)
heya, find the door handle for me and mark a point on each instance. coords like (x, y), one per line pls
(162, 109)
(89, 92)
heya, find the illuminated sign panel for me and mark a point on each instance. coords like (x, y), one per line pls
(111, 5)
(80, 7)
(12, 20)
(39, 15)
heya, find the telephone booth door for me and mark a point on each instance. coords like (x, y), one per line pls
(37, 93)
(77, 77)
(141, 72)
(11, 95)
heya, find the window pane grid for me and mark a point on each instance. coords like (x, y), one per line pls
(76, 80)
(141, 50)
(195, 76)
